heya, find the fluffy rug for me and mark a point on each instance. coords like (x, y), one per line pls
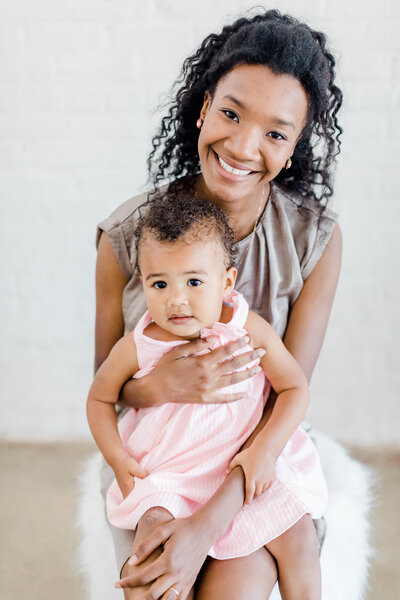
(345, 553)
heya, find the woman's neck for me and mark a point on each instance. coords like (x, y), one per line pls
(243, 215)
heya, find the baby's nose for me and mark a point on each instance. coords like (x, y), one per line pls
(178, 298)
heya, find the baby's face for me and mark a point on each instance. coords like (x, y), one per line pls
(184, 284)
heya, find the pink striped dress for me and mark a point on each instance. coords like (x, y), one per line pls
(186, 449)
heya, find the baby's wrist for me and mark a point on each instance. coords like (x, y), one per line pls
(264, 448)
(115, 458)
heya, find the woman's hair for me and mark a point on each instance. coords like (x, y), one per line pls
(171, 217)
(286, 46)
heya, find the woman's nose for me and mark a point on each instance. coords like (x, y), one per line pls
(245, 144)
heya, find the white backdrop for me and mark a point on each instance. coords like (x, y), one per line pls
(79, 80)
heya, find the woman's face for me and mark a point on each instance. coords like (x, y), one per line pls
(250, 129)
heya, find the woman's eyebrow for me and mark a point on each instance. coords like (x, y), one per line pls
(234, 100)
(279, 121)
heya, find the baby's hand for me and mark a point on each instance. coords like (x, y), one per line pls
(125, 469)
(259, 470)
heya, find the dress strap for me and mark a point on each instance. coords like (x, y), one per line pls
(240, 309)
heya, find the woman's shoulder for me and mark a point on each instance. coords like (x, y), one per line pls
(308, 224)
(125, 214)
(295, 205)
(120, 227)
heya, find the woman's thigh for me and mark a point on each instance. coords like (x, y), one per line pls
(252, 576)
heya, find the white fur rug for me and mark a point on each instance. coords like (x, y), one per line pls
(345, 554)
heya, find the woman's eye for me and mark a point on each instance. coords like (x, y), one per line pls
(276, 136)
(231, 115)
(194, 282)
(159, 285)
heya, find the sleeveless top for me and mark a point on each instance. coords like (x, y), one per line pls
(289, 239)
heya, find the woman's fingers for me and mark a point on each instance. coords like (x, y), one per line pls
(161, 588)
(156, 538)
(224, 352)
(240, 361)
(237, 377)
(143, 575)
(186, 350)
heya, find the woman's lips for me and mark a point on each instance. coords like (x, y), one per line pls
(180, 319)
(229, 171)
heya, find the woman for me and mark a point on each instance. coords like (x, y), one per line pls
(254, 101)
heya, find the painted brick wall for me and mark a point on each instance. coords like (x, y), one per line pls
(79, 84)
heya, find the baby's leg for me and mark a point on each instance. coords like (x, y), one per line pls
(250, 577)
(299, 570)
(150, 520)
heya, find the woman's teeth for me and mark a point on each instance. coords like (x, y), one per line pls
(229, 169)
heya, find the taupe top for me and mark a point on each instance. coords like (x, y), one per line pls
(272, 264)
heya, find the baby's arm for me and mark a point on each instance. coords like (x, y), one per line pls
(290, 384)
(120, 365)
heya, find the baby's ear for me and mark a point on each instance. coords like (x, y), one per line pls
(230, 279)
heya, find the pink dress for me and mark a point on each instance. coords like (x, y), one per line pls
(186, 449)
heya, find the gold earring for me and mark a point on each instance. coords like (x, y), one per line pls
(288, 163)
(199, 123)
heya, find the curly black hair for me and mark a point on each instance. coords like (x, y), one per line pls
(172, 216)
(286, 46)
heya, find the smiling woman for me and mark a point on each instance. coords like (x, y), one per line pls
(249, 108)
(249, 130)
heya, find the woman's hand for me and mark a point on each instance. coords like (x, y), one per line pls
(181, 377)
(125, 469)
(258, 465)
(185, 545)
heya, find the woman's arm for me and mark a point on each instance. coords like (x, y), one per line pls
(110, 283)
(304, 336)
(309, 315)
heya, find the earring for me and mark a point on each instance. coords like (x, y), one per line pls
(199, 123)
(288, 163)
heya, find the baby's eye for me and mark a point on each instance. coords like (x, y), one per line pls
(194, 282)
(231, 115)
(276, 136)
(159, 285)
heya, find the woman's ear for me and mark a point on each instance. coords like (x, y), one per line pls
(206, 106)
(230, 279)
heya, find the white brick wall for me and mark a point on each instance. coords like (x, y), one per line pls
(79, 83)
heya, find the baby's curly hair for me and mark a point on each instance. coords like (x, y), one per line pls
(171, 217)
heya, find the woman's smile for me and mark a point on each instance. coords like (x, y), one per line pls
(235, 173)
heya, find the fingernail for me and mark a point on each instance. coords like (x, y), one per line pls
(261, 352)
(132, 560)
(246, 339)
(117, 585)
